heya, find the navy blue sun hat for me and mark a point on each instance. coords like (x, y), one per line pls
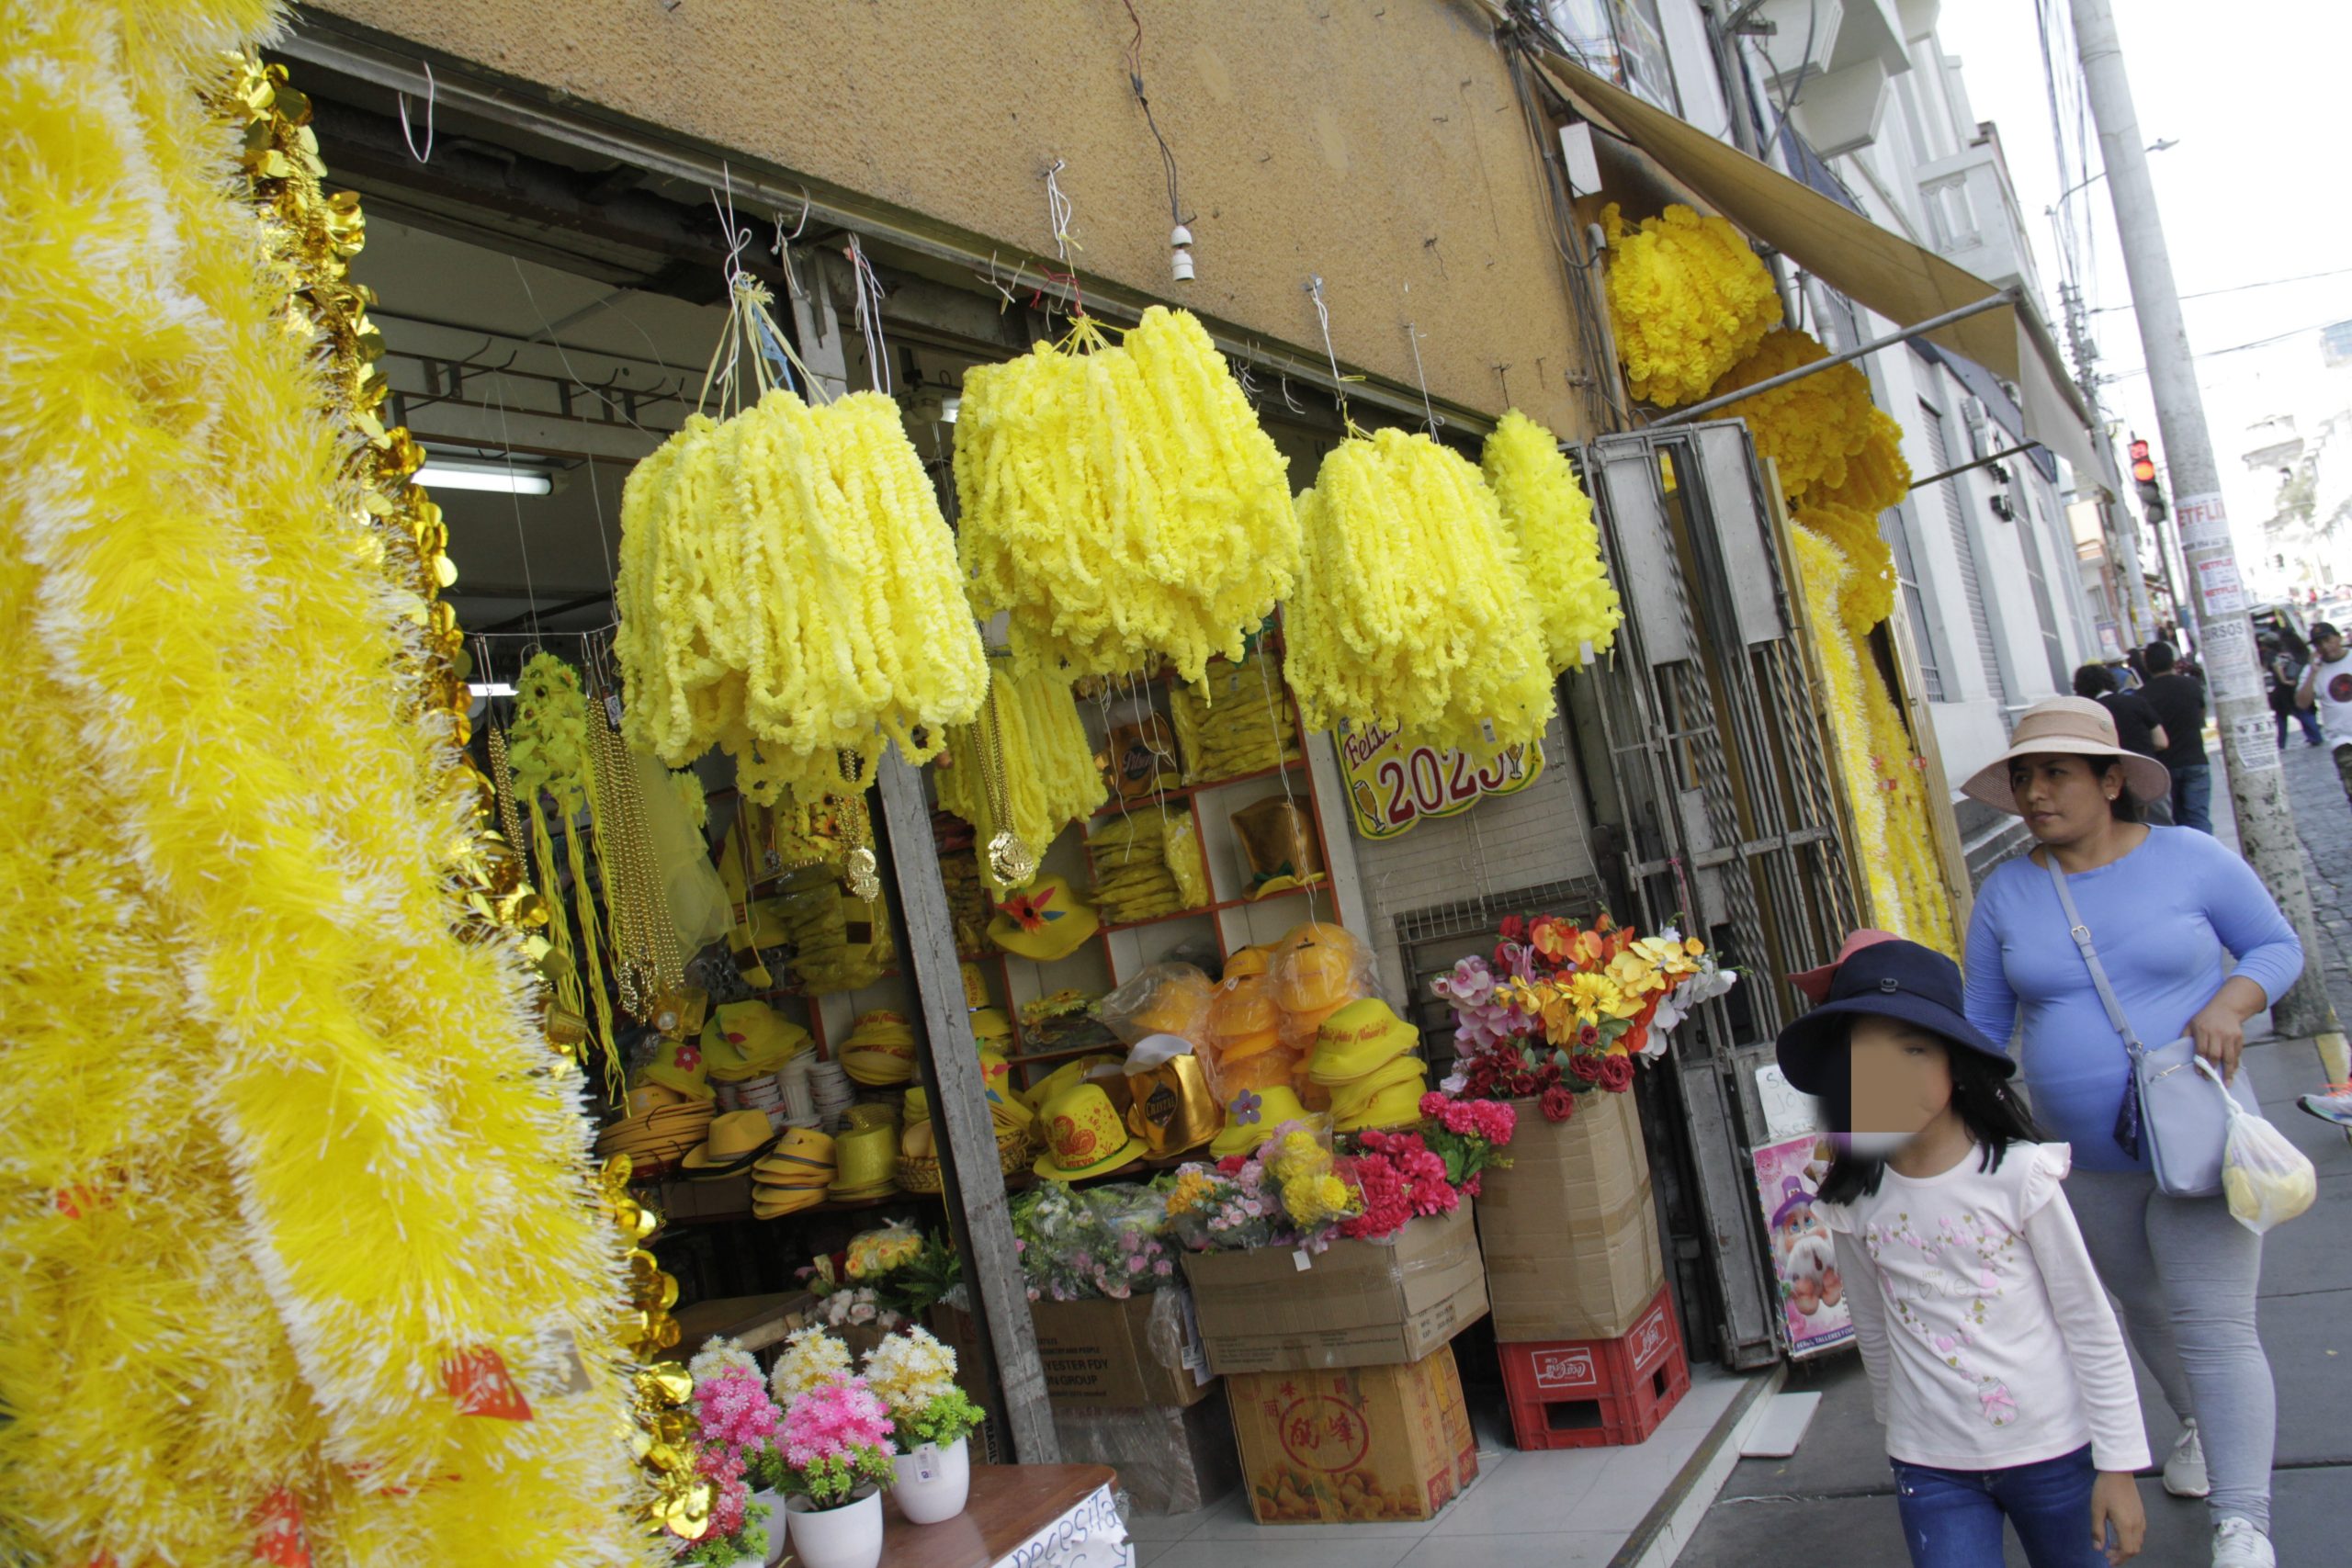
(1894, 979)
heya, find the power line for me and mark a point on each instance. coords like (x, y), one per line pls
(2235, 348)
(2240, 288)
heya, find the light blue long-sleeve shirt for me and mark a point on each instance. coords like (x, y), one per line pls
(2161, 919)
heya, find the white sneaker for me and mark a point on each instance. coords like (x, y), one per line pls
(2185, 1470)
(2237, 1544)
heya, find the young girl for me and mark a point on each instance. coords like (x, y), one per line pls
(1994, 1362)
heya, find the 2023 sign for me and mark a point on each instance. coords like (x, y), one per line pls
(1393, 783)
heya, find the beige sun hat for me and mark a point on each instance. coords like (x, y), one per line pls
(2078, 726)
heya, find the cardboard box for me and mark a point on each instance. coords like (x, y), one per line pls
(1145, 1350)
(730, 1198)
(1360, 1303)
(1570, 1231)
(1169, 1461)
(1362, 1445)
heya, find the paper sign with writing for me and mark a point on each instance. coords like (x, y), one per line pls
(1394, 783)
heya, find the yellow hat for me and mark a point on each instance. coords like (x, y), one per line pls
(865, 1160)
(802, 1158)
(679, 1066)
(1244, 1005)
(880, 1027)
(650, 1097)
(1083, 1136)
(1248, 960)
(976, 986)
(1173, 1110)
(873, 1113)
(917, 1141)
(736, 1140)
(1045, 922)
(916, 1107)
(1179, 1004)
(1251, 1116)
(775, 1202)
(1359, 1038)
(990, 1027)
(880, 1050)
(1067, 1076)
(1261, 1070)
(1398, 1105)
(759, 1037)
(721, 1063)
(1350, 1100)
(1318, 965)
(1005, 1104)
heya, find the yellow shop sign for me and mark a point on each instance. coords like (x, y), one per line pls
(1393, 783)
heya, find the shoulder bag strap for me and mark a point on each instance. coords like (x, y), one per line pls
(2081, 935)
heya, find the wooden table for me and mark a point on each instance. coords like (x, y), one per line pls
(1019, 1516)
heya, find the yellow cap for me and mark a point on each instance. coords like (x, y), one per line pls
(1251, 1116)
(1359, 1039)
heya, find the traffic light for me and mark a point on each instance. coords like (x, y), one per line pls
(2143, 475)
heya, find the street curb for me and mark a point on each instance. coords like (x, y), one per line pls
(1658, 1541)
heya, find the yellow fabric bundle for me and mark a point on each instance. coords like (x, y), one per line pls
(1868, 596)
(838, 942)
(1813, 427)
(1122, 503)
(1050, 776)
(789, 591)
(325, 1151)
(1688, 300)
(1413, 607)
(1551, 518)
(1135, 859)
(1236, 721)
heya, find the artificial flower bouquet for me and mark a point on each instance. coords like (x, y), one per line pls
(736, 1424)
(1564, 1009)
(835, 1437)
(1085, 1243)
(1292, 1192)
(915, 1376)
(884, 1278)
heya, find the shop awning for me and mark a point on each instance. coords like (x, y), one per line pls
(1886, 272)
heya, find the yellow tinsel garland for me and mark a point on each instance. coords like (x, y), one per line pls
(1687, 300)
(1045, 765)
(1550, 518)
(1812, 427)
(789, 591)
(1413, 607)
(1867, 595)
(1121, 503)
(325, 1163)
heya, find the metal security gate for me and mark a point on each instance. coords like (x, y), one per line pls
(1731, 822)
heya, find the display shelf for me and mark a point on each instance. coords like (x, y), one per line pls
(1220, 907)
(1186, 792)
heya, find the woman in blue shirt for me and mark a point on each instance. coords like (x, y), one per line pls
(2164, 906)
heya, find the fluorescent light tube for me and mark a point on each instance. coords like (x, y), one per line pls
(441, 473)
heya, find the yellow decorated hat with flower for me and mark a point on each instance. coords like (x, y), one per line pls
(1084, 1135)
(1251, 1116)
(1044, 921)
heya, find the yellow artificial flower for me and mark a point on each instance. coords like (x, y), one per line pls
(1687, 300)
(1811, 428)
(1550, 517)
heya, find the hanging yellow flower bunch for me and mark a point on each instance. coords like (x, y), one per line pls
(1687, 300)
(1868, 596)
(1120, 502)
(1877, 476)
(1040, 773)
(1811, 428)
(1550, 518)
(788, 592)
(548, 758)
(1413, 606)
(1910, 832)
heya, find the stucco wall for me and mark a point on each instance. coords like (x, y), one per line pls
(1379, 146)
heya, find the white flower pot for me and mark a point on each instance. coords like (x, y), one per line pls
(774, 1525)
(933, 1482)
(847, 1537)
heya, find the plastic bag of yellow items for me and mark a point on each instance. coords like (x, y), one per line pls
(839, 942)
(1146, 865)
(1236, 721)
(1317, 969)
(878, 1252)
(1164, 999)
(2266, 1179)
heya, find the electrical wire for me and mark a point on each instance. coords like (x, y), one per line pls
(2235, 347)
(1134, 82)
(2238, 288)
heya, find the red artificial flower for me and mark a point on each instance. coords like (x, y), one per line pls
(1585, 1065)
(1476, 1184)
(1558, 1104)
(1514, 928)
(1617, 1073)
(1588, 1035)
(1522, 1084)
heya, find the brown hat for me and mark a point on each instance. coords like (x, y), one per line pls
(2076, 727)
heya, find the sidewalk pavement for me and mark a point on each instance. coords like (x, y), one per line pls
(1832, 1504)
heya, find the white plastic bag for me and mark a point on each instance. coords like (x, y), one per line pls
(2266, 1179)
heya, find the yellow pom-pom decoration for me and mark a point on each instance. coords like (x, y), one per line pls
(1550, 518)
(1413, 607)
(1688, 300)
(1048, 777)
(1878, 475)
(1868, 596)
(1811, 428)
(1122, 503)
(789, 591)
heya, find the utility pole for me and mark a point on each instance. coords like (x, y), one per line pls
(2216, 594)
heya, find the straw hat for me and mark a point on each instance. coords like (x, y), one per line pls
(1251, 1116)
(1359, 1039)
(679, 1066)
(1083, 1136)
(802, 1158)
(735, 1142)
(647, 1098)
(2072, 726)
(1043, 923)
(775, 1202)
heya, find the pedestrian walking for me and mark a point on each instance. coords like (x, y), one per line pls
(2284, 660)
(2137, 723)
(1994, 1362)
(2326, 692)
(2164, 907)
(2179, 698)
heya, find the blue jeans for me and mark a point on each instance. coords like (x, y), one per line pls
(2192, 796)
(1951, 1519)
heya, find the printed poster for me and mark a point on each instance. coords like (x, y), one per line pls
(1813, 1294)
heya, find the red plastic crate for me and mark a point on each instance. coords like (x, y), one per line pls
(1586, 1394)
